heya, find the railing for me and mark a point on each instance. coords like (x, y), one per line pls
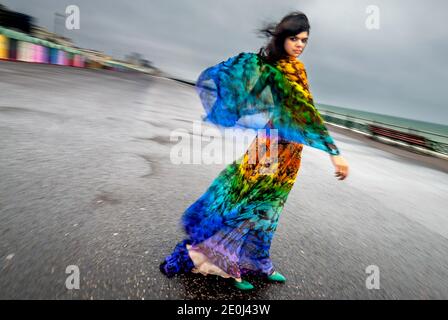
(425, 139)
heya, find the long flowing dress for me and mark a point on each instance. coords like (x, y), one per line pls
(229, 229)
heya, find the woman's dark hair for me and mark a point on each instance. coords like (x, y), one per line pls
(290, 25)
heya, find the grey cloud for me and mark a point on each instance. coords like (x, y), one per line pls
(399, 69)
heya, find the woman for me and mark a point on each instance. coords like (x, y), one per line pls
(230, 227)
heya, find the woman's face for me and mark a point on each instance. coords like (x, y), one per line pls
(294, 45)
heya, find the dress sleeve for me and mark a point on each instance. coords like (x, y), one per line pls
(234, 89)
(244, 87)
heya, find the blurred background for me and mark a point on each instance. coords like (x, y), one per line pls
(92, 91)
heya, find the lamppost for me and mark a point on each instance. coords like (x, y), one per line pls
(60, 22)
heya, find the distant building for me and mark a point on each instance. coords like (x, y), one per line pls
(21, 40)
(43, 33)
(96, 55)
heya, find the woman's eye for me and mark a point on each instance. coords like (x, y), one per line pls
(295, 39)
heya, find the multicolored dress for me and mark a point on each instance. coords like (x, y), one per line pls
(229, 229)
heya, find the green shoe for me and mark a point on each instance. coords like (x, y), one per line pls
(243, 285)
(277, 277)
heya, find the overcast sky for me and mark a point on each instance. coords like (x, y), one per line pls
(400, 69)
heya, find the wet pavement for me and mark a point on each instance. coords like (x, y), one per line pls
(86, 179)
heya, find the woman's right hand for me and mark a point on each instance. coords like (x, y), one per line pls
(341, 166)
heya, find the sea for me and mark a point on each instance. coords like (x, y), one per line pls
(433, 131)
